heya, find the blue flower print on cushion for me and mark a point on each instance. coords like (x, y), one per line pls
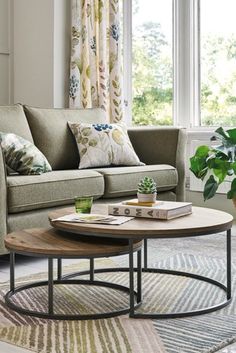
(100, 127)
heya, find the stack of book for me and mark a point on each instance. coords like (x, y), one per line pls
(159, 210)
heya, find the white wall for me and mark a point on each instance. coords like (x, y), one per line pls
(62, 34)
(218, 202)
(41, 52)
(5, 72)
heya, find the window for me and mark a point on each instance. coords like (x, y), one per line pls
(218, 63)
(180, 62)
(152, 91)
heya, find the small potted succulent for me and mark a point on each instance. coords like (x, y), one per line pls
(217, 163)
(147, 190)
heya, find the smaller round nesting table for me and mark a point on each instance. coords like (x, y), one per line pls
(55, 244)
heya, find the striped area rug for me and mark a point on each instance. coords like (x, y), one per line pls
(206, 333)
(115, 335)
(202, 334)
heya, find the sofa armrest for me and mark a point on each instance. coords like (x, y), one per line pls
(157, 145)
(3, 203)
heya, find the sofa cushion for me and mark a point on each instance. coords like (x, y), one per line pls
(122, 181)
(52, 189)
(22, 156)
(13, 120)
(52, 135)
(101, 145)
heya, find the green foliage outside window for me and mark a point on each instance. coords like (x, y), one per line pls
(153, 83)
(152, 77)
(218, 90)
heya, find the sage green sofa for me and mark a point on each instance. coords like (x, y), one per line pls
(25, 201)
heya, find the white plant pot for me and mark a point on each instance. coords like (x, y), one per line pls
(147, 197)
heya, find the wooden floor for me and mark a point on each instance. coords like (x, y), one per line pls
(27, 265)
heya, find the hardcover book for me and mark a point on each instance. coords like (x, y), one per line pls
(136, 202)
(166, 210)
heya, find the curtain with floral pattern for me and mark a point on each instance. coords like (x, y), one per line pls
(95, 75)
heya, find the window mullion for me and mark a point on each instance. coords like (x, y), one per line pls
(195, 82)
(186, 63)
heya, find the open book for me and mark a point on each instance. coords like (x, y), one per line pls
(92, 218)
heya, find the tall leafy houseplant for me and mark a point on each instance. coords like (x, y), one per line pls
(214, 164)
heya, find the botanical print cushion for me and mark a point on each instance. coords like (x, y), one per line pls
(101, 145)
(22, 156)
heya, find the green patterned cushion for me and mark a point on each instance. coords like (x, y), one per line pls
(22, 156)
(102, 145)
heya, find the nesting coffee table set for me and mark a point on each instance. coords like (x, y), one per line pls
(90, 241)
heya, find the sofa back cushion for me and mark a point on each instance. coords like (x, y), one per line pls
(52, 135)
(13, 120)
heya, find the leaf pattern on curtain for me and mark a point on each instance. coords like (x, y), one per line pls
(96, 76)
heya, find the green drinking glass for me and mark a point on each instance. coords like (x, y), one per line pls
(83, 204)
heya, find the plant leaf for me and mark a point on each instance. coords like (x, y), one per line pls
(220, 131)
(232, 192)
(221, 151)
(198, 167)
(202, 151)
(234, 167)
(220, 174)
(232, 135)
(220, 168)
(210, 188)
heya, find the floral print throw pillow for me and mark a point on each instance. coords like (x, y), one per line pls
(22, 156)
(102, 145)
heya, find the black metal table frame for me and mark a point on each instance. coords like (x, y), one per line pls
(226, 288)
(66, 280)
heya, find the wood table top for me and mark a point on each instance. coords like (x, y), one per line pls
(51, 242)
(202, 221)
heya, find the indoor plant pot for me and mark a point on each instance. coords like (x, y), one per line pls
(147, 190)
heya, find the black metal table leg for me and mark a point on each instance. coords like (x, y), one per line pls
(91, 270)
(139, 276)
(50, 286)
(228, 259)
(59, 269)
(12, 271)
(145, 254)
(131, 277)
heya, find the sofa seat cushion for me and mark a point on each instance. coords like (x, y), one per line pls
(57, 188)
(123, 181)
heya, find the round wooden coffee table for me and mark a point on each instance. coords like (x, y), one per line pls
(54, 244)
(202, 221)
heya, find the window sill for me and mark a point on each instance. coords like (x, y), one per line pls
(200, 133)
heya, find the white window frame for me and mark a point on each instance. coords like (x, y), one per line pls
(186, 83)
(186, 64)
(127, 60)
